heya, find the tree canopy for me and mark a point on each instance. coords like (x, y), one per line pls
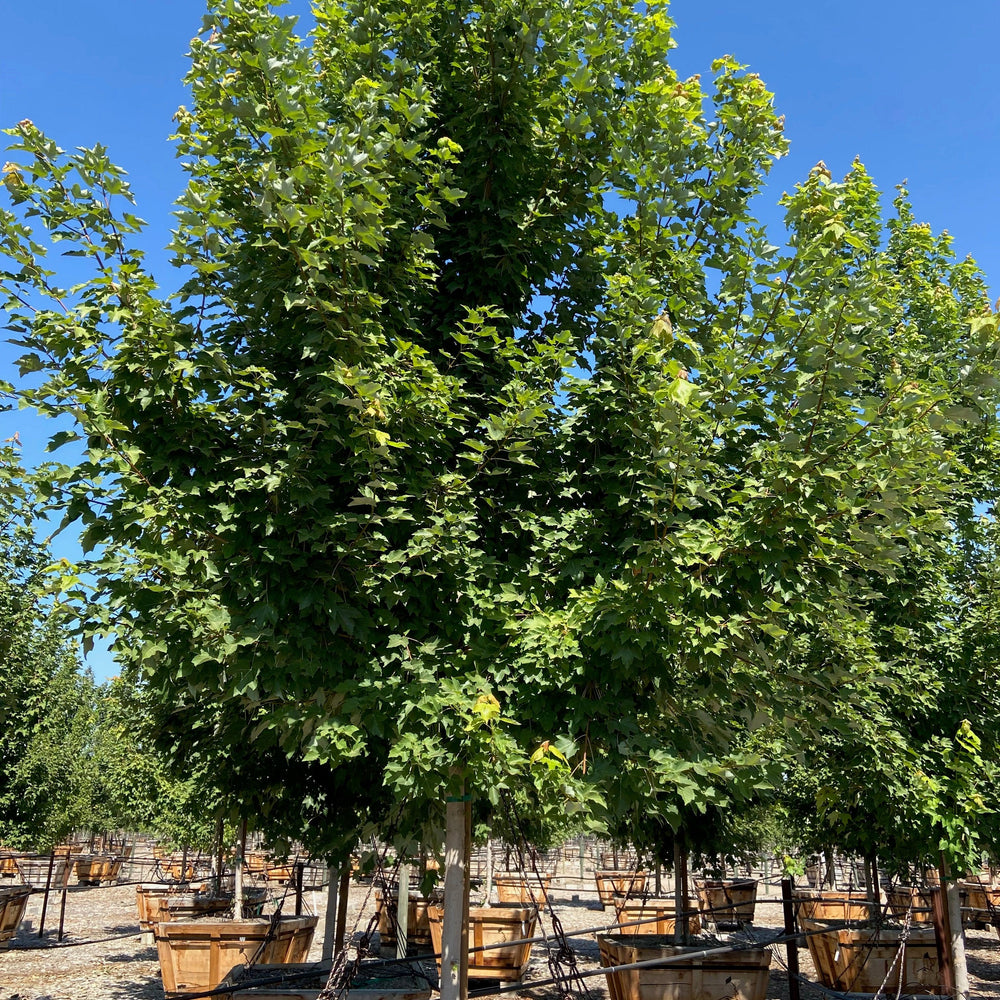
(484, 396)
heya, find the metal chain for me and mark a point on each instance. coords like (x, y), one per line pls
(561, 959)
(344, 971)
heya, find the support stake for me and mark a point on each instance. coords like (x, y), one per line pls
(330, 922)
(345, 889)
(45, 898)
(402, 910)
(788, 909)
(241, 848)
(455, 925)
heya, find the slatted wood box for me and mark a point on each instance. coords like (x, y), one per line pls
(195, 955)
(309, 980)
(13, 900)
(657, 916)
(727, 902)
(736, 975)
(611, 883)
(522, 888)
(493, 925)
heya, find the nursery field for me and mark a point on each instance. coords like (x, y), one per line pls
(102, 957)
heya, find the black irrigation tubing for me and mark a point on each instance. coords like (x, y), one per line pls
(294, 977)
(77, 944)
(608, 928)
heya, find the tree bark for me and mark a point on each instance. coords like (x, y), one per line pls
(342, 900)
(330, 924)
(953, 907)
(831, 868)
(680, 919)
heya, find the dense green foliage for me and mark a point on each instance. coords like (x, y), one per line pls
(74, 755)
(45, 702)
(486, 393)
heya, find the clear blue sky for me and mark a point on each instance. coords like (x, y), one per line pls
(907, 86)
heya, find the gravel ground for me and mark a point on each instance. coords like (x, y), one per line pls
(101, 956)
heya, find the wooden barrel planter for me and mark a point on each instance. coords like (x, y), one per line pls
(903, 899)
(729, 903)
(493, 925)
(735, 975)
(13, 900)
(310, 979)
(523, 888)
(832, 904)
(657, 916)
(611, 883)
(191, 906)
(418, 924)
(195, 955)
(859, 959)
(93, 869)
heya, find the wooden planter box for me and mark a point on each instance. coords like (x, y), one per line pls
(858, 959)
(147, 901)
(157, 903)
(492, 925)
(903, 899)
(657, 916)
(523, 888)
(13, 900)
(35, 870)
(8, 864)
(195, 955)
(175, 867)
(280, 871)
(611, 883)
(728, 903)
(738, 975)
(418, 924)
(256, 863)
(386, 987)
(93, 869)
(832, 904)
(980, 902)
(191, 906)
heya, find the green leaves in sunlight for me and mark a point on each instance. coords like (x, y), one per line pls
(487, 434)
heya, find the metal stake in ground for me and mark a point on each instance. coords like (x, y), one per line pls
(62, 908)
(793, 944)
(45, 898)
